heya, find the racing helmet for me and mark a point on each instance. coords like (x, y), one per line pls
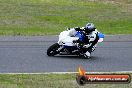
(89, 27)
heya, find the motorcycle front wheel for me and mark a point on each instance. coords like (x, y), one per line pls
(52, 50)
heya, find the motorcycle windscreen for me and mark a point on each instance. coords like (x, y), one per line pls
(101, 37)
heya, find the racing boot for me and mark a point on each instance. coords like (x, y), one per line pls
(87, 55)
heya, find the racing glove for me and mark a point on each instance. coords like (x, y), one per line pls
(78, 29)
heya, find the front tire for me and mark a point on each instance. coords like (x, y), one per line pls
(52, 49)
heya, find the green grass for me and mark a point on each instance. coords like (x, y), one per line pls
(43, 17)
(49, 81)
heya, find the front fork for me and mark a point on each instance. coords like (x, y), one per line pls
(60, 49)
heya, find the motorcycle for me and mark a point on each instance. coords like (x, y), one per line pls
(66, 46)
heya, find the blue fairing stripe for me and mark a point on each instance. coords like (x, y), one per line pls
(100, 35)
(80, 35)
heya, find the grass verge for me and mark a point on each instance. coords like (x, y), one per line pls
(49, 81)
(44, 17)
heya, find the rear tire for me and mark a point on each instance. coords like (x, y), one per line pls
(52, 49)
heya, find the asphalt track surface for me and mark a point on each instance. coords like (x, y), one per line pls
(28, 55)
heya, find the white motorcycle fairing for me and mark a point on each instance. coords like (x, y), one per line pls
(66, 40)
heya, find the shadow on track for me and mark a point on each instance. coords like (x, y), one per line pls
(92, 58)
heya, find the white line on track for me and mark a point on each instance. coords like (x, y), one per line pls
(71, 72)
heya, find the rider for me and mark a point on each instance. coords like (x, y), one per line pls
(90, 38)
